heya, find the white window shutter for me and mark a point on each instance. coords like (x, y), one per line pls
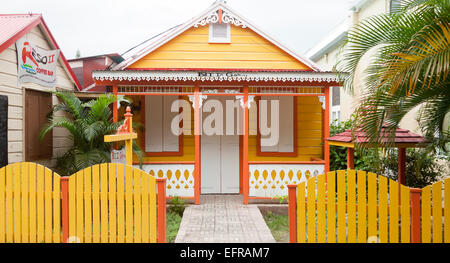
(286, 140)
(153, 124)
(219, 33)
(170, 139)
(268, 99)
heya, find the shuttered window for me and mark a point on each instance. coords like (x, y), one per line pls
(219, 33)
(159, 137)
(37, 106)
(287, 121)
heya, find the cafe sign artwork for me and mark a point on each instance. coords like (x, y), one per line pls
(35, 64)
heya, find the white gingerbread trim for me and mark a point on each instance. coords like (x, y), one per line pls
(162, 75)
(322, 102)
(251, 98)
(232, 91)
(201, 99)
(227, 18)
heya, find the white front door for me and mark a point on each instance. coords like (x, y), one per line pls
(220, 159)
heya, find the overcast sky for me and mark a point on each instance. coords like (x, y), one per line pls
(108, 26)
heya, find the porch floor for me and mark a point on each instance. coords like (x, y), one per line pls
(223, 219)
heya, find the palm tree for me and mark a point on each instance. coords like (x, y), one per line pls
(409, 65)
(87, 124)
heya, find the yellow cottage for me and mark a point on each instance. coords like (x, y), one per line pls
(225, 108)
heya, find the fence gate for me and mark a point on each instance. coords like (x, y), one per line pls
(30, 201)
(105, 203)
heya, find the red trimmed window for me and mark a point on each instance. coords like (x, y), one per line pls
(159, 140)
(287, 141)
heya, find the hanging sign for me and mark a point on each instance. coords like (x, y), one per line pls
(35, 64)
(119, 156)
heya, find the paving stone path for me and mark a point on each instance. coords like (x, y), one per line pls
(223, 219)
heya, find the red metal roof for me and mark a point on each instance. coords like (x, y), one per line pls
(359, 136)
(14, 26)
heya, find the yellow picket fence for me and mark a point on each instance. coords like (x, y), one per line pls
(112, 203)
(30, 201)
(435, 204)
(102, 203)
(355, 206)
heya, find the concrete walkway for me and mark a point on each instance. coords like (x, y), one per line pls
(223, 219)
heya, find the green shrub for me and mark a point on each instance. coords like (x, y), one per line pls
(423, 166)
(173, 221)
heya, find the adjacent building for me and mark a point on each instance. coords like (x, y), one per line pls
(326, 53)
(83, 67)
(31, 66)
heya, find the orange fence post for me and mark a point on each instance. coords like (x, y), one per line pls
(292, 200)
(350, 158)
(161, 185)
(416, 234)
(65, 208)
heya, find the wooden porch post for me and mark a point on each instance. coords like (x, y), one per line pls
(115, 110)
(327, 129)
(245, 166)
(350, 158)
(197, 167)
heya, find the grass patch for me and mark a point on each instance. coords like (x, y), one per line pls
(278, 225)
(173, 221)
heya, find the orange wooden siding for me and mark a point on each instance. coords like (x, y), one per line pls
(191, 49)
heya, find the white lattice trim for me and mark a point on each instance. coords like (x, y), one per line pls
(271, 180)
(180, 177)
(215, 76)
(227, 18)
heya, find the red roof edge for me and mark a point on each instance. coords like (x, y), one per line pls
(37, 21)
(19, 34)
